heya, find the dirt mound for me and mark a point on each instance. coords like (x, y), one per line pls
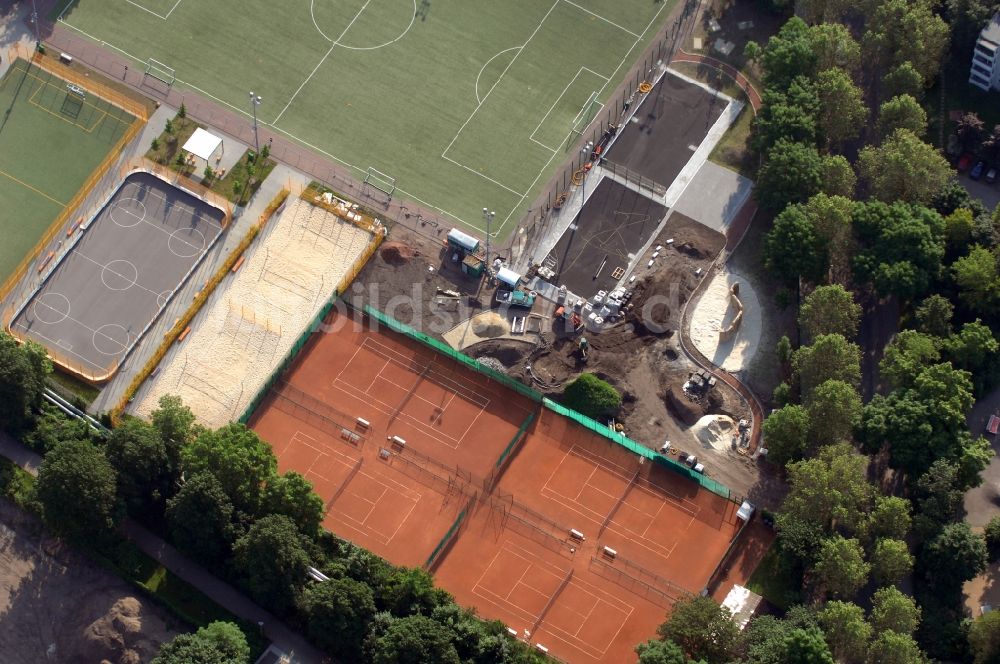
(690, 250)
(715, 431)
(490, 324)
(397, 253)
(684, 409)
(117, 636)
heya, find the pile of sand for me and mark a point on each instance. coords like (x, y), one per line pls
(713, 312)
(397, 253)
(490, 324)
(251, 321)
(715, 431)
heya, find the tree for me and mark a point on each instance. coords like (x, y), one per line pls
(414, 640)
(902, 112)
(973, 348)
(786, 113)
(909, 353)
(841, 566)
(702, 628)
(216, 643)
(954, 556)
(763, 640)
(829, 488)
(890, 518)
(903, 79)
(140, 458)
(830, 310)
(837, 176)
(791, 174)
(786, 432)
(991, 533)
(978, 280)
(894, 648)
(938, 494)
(958, 231)
(830, 357)
(292, 494)
(894, 611)
(806, 647)
(984, 638)
(846, 630)
(271, 560)
(934, 316)
(906, 31)
(176, 425)
(787, 55)
(900, 247)
(891, 561)
(903, 168)
(23, 370)
(76, 488)
(592, 396)
(200, 519)
(832, 43)
(339, 612)
(660, 652)
(792, 248)
(953, 196)
(831, 219)
(834, 410)
(238, 458)
(970, 130)
(842, 110)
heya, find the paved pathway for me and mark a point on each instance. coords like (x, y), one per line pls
(728, 70)
(222, 593)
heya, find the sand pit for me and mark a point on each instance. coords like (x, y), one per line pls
(251, 321)
(715, 312)
(715, 431)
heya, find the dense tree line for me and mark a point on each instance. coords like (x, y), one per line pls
(846, 81)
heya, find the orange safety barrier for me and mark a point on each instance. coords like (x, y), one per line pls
(187, 331)
(239, 263)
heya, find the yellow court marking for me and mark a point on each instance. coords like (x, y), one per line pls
(37, 191)
(103, 113)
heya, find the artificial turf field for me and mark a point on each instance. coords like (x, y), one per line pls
(466, 103)
(50, 143)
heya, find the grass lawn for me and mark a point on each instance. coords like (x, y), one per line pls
(50, 143)
(84, 391)
(168, 144)
(234, 184)
(775, 581)
(732, 151)
(465, 104)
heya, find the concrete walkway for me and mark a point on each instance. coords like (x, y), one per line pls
(284, 639)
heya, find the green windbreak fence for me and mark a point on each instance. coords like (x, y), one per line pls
(629, 444)
(289, 358)
(448, 351)
(448, 536)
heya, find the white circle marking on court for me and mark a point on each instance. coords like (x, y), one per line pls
(162, 299)
(110, 335)
(55, 305)
(132, 217)
(312, 13)
(123, 275)
(182, 248)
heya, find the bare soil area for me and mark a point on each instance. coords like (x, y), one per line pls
(57, 606)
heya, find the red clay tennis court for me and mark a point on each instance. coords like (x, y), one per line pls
(572, 541)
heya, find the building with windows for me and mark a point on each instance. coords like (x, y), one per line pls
(985, 70)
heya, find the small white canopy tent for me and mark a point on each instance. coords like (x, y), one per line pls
(509, 277)
(203, 145)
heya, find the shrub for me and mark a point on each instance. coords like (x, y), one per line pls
(992, 534)
(592, 396)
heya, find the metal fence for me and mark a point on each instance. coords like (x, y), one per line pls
(638, 580)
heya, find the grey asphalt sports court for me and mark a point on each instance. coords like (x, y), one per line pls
(132, 258)
(667, 128)
(613, 225)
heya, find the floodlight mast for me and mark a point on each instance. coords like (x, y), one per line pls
(488, 217)
(254, 103)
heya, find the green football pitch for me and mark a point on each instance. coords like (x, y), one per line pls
(465, 103)
(51, 140)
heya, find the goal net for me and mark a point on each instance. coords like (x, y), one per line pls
(73, 101)
(379, 181)
(159, 71)
(586, 114)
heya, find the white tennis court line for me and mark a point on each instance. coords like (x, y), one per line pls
(384, 538)
(320, 63)
(574, 640)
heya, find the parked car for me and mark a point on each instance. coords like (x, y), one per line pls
(977, 170)
(964, 162)
(991, 175)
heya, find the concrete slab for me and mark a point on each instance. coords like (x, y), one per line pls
(714, 196)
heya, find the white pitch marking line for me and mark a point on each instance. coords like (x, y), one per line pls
(601, 18)
(316, 68)
(487, 64)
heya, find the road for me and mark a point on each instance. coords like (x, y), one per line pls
(983, 502)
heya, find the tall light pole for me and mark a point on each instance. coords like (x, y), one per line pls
(586, 151)
(488, 218)
(254, 103)
(34, 21)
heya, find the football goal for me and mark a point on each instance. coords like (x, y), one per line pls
(161, 72)
(585, 116)
(379, 181)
